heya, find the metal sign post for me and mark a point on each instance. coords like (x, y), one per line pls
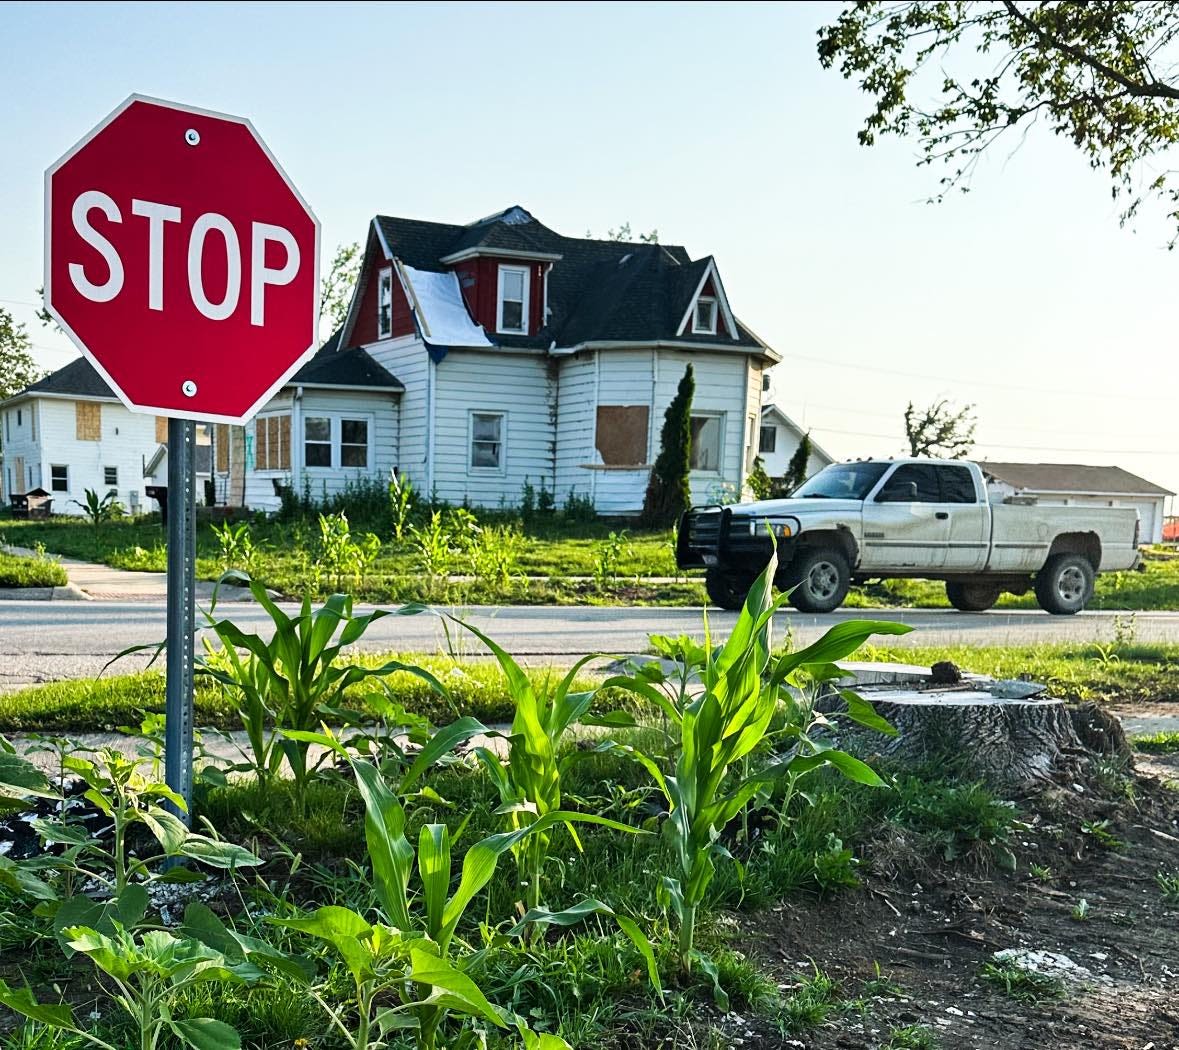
(178, 714)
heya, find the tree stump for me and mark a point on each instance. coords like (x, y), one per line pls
(1006, 734)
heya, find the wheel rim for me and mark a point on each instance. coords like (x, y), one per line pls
(1070, 585)
(823, 580)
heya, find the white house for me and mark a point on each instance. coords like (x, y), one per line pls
(523, 356)
(1074, 484)
(778, 440)
(478, 358)
(68, 433)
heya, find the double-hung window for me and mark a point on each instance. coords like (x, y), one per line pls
(768, 441)
(59, 477)
(317, 441)
(353, 442)
(110, 477)
(487, 441)
(385, 303)
(512, 316)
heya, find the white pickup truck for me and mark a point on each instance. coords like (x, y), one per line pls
(927, 518)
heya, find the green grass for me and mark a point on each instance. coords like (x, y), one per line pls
(476, 688)
(1025, 986)
(1161, 743)
(30, 572)
(911, 1037)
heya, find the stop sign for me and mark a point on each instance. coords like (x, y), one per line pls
(182, 261)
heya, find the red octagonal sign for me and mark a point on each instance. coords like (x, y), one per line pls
(182, 261)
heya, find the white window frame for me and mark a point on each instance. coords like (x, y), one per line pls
(385, 332)
(59, 466)
(110, 484)
(503, 441)
(526, 274)
(720, 451)
(761, 448)
(709, 329)
(336, 432)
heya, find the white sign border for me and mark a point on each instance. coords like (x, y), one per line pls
(200, 417)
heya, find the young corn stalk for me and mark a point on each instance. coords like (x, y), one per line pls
(720, 727)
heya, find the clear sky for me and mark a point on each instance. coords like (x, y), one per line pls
(713, 124)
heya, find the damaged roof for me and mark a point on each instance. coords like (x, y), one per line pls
(599, 291)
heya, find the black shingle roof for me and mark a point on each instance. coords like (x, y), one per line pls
(77, 379)
(599, 291)
(329, 367)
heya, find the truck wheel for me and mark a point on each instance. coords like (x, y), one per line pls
(972, 597)
(727, 589)
(1065, 584)
(820, 578)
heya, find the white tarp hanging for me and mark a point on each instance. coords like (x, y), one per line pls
(444, 317)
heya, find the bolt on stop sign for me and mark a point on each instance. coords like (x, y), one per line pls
(182, 261)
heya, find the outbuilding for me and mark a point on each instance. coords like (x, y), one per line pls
(1081, 485)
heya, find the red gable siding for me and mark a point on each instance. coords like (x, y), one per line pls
(365, 329)
(479, 280)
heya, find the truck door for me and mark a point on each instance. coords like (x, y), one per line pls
(906, 528)
(969, 513)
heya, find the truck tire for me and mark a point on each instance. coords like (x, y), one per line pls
(818, 579)
(972, 597)
(1065, 584)
(726, 588)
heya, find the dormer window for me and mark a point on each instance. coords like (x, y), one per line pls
(512, 311)
(704, 319)
(385, 303)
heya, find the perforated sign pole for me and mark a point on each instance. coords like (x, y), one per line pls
(178, 713)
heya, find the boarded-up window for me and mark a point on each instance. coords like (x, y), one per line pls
(622, 435)
(221, 439)
(272, 443)
(88, 420)
(161, 429)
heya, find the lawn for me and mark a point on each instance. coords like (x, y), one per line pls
(501, 559)
(30, 572)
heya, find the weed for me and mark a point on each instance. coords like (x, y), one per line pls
(1098, 830)
(880, 986)
(1080, 912)
(1025, 986)
(1169, 885)
(811, 1003)
(1041, 872)
(1165, 742)
(911, 1037)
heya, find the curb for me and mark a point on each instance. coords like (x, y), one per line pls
(71, 592)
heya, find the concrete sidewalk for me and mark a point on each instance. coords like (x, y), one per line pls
(104, 582)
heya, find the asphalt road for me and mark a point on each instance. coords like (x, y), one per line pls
(43, 641)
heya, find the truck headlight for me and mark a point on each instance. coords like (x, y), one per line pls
(782, 529)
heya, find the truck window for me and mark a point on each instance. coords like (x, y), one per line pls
(912, 483)
(842, 481)
(957, 485)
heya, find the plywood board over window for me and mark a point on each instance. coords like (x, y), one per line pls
(88, 420)
(221, 447)
(161, 429)
(621, 437)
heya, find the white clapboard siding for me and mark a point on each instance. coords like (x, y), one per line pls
(127, 441)
(521, 386)
(409, 362)
(752, 421)
(576, 416)
(378, 408)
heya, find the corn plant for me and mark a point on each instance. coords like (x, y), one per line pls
(98, 511)
(403, 500)
(433, 547)
(721, 726)
(415, 960)
(607, 556)
(341, 555)
(529, 783)
(495, 557)
(236, 545)
(287, 686)
(149, 973)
